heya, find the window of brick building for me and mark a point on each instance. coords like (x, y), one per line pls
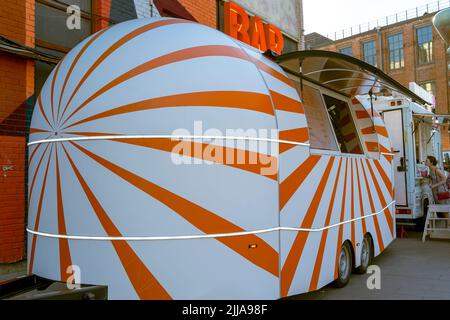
(396, 52)
(370, 52)
(51, 30)
(347, 51)
(425, 44)
(52, 35)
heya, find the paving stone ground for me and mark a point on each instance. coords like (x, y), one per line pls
(410, 270)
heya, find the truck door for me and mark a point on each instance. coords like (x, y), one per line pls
(394, 124)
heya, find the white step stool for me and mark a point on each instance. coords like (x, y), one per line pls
(437, 227)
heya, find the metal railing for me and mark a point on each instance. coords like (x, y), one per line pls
(389, 20)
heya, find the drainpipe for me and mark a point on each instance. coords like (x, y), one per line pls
(441, 22)
(301, 45)
(380, 45)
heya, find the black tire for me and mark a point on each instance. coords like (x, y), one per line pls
(366, 254)
(344, 266)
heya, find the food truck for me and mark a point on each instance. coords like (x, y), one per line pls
(414, 133)
(131, 186)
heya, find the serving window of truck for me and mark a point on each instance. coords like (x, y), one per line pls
(331, 125)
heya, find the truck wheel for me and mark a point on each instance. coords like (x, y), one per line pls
(344, 266)
(366, 255)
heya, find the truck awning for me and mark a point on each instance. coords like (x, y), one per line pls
(341, 73)
(421, 111)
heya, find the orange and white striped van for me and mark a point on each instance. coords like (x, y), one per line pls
(112, 196)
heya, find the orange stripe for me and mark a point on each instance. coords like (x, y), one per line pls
(361, 205)
(378, 129)
(241, 159)
(53, 88)
(387, 212)
(177, 56)
(34, 152)
(342, 217)
(285, 103)
(43, 112)
(386, 150)
(116, 46)
(362, 114)
(372, 146)
(295, 253)
(35, 174)
(225, 99)
(143, 281)
(265, 256)
(74, 62)
(264, 67)
(318, 264)
(366, 114)
(386, 180)
(64, 250)
(372, 207)
(36, 130)
(38, 214)
(190, 148)
(291, 184)
(300, 135)
(352, 208)
(283, 147)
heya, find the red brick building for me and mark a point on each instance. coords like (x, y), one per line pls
(408, 51)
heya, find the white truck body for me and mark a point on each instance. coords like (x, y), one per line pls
(414, 136)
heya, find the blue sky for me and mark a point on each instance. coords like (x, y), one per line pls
(328, 16)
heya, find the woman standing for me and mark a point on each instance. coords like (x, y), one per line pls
(438, 180)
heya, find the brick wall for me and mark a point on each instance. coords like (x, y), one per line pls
(204, 12)
(16, 100)
(17, 21)
(12, 198)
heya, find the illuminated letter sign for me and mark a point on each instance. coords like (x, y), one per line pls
(251, 30)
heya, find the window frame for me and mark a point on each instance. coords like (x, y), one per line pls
(63, 7)
(374, 41)
(418, 45)
(400, 50)
(324, 91)
(330, 124)
(344, 48)
(352, 118)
